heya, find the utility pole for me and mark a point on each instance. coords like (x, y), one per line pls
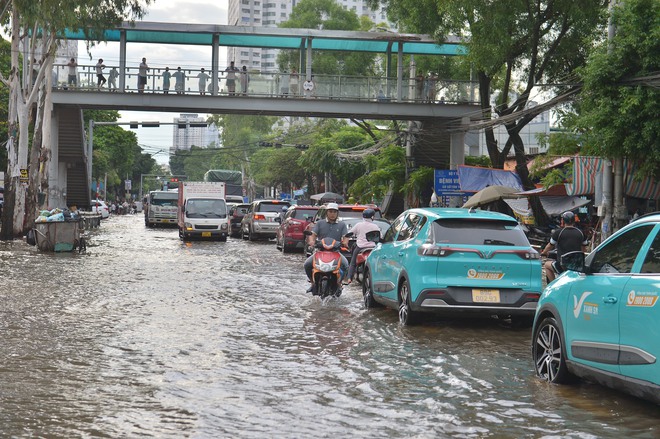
(605, 210)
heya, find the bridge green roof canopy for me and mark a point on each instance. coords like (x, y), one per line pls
(277, 38)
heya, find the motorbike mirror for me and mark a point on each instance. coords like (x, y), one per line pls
(349, 235)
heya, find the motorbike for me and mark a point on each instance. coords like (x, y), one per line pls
(363, 254)
(326, 269)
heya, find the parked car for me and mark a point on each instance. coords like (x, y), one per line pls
(99, 206)
(290, 232)
(260, 221)
(600, 319)
(346, 211)
(453, 262)
(236, 214)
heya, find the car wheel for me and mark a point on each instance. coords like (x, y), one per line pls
(549, 352)
(407, 316)
(367, 291)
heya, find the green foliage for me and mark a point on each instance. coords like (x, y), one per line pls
(417, 183)
(277, 167)
(386, 170)
(482, 161)
(327, 15)
(619, 114)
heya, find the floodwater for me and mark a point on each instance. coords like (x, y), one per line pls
(147, 336)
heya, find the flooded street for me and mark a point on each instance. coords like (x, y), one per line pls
(147, 336)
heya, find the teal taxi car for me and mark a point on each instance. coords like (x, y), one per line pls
(600, 319)
(452, 262)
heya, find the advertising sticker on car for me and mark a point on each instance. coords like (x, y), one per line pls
(642, 299)
(485, 296)
(490, 275)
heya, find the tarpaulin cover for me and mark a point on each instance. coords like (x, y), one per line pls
(587, 169)
(551, 205)
(226, 175)
(473, 178)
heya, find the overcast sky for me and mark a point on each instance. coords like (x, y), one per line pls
(158, 140)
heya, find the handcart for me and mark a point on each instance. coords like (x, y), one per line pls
(60, 236)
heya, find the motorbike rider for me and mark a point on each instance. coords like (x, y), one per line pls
(283, 213)
(329, 227)
(360, 231)
(566, 239)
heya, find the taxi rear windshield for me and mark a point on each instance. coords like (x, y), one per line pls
(478, 232)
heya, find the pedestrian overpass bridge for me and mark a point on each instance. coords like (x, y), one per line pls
(444, 106)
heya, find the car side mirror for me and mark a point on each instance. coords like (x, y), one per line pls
(573, 261)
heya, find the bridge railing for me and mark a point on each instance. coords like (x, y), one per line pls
(280, 85)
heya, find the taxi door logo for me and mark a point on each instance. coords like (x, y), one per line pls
(647, 300)
(577, 304)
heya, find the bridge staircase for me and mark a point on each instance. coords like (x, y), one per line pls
(73, 152)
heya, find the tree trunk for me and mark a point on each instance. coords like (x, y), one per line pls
(496, 158)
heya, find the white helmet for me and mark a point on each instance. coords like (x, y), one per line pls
(332, 206)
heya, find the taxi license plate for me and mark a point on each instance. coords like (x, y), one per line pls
(206, 234)
(486, 296)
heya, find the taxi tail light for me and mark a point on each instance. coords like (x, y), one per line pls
(436, 293)
(259, 217)
(532, 296)
(435, 250)
(527, 255)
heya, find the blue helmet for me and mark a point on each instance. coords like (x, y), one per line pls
(285, 208)
(368, 213)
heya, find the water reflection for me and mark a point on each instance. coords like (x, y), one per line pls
(146, 335)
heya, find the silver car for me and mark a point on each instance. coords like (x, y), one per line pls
(260, 221)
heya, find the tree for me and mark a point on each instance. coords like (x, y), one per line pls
(277, 167)
(620, 102)
(513, 46)
(385, 171)
(38, 25)
(327, 15)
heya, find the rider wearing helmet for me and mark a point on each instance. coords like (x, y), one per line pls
(360, 231)
(566, 239)
(285, 208)
(328, 227)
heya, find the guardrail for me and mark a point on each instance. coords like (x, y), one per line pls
(277, 85)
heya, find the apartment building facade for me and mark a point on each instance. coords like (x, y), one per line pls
(270, 13)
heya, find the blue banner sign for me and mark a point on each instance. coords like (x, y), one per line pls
(446, 183)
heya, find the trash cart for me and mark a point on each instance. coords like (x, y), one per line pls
(59, 236)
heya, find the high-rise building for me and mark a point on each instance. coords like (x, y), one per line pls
(270, 13)
(191, 130)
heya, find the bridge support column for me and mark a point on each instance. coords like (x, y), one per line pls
(56, 169)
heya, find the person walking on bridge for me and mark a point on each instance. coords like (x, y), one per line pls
(166, 80)
(100, 79)
(142, 75)
(231, 78)
(203, 77)
(180, 78)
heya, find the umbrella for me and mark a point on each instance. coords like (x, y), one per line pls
(327, 197)
(490, 194)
